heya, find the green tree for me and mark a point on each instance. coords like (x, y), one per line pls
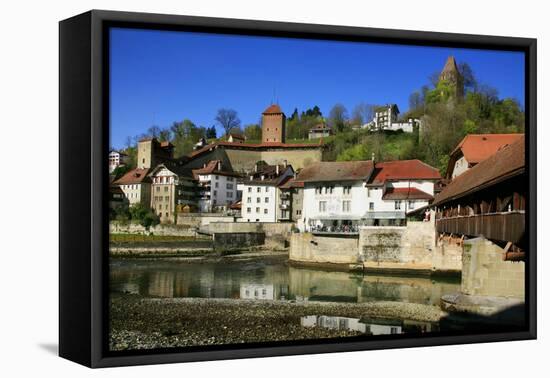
(253, 132)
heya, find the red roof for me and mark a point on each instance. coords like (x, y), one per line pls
(403, 170)
(273, 109)
(290, 183)
(135, 176)
(406, 194)
(508, 162)
(478, 147)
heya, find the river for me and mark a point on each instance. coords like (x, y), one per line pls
(269, 279)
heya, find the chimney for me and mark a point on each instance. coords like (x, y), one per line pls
(219, 165)
(372, 157)
(295, 175)
(251, 178)
(285, 163)
(204, 165)
(256, 167)
(277, 169)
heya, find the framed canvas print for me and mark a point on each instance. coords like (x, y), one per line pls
(234, 188)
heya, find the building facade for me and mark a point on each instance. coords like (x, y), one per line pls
(116, 159)
(172, 190)
(345, 195)
(273, 125)
(387, 118)
(217, 187)
(136, 186)
(151, 153)
(260, 193)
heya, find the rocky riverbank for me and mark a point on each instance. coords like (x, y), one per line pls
(147, 323)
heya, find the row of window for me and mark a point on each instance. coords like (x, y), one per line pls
(346, 206)
(330, 189)
(159, 198)
(249, 210)
(133, 186)
(258, 189)
(165, 189)
(258, 200)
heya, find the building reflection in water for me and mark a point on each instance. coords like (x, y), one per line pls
(333, 322)
(367, 326)
(269, 281)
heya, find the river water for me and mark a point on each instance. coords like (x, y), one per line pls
(271, 279)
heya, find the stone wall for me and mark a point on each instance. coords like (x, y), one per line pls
(237, 240)
(201, 219)
(161, 229)
(381, 248)
(306, 247)
(486, 273)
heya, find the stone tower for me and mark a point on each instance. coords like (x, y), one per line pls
(273, 125)
(151, 152)
(452, 75)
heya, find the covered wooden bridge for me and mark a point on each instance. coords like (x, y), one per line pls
(488, 200)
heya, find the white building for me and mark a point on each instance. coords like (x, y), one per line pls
(260, 192)
(116, 159)
(344, 195)
(136, 186)
(218, 187)
(386, 118)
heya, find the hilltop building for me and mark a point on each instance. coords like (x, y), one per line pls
(452, 75)
(387, 118)
(241, 157)
(475, 148)
(273, 125)
(320, 130)
(151, 153)
(116, 159)
(236, 138)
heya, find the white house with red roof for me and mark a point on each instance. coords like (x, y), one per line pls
(346, 195)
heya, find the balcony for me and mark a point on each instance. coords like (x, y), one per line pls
(385, 215)
(506, 226)
(284, 206)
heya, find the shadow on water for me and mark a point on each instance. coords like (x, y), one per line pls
(511, 319)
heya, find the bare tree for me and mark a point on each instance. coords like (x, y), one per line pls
(362, 113)
(228, 119)
(338, 116)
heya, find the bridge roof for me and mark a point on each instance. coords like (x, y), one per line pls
(507, 162)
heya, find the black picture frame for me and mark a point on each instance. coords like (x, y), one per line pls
(83, 141)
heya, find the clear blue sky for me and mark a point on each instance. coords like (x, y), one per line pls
(158, 77)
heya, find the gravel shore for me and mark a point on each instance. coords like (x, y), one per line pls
(147, 323)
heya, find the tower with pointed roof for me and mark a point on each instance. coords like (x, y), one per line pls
(273, 125)
(452, 75)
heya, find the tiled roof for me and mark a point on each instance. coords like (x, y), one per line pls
(255, 146)
(290, 183)
(135, 176)
(478, 147)
(212, 168)
(403, 170)
(273, 109)
(337, 171)
(406, 194)
(237, 136)
(508, 162)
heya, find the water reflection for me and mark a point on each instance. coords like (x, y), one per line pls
(257, 280)
(368, 326)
